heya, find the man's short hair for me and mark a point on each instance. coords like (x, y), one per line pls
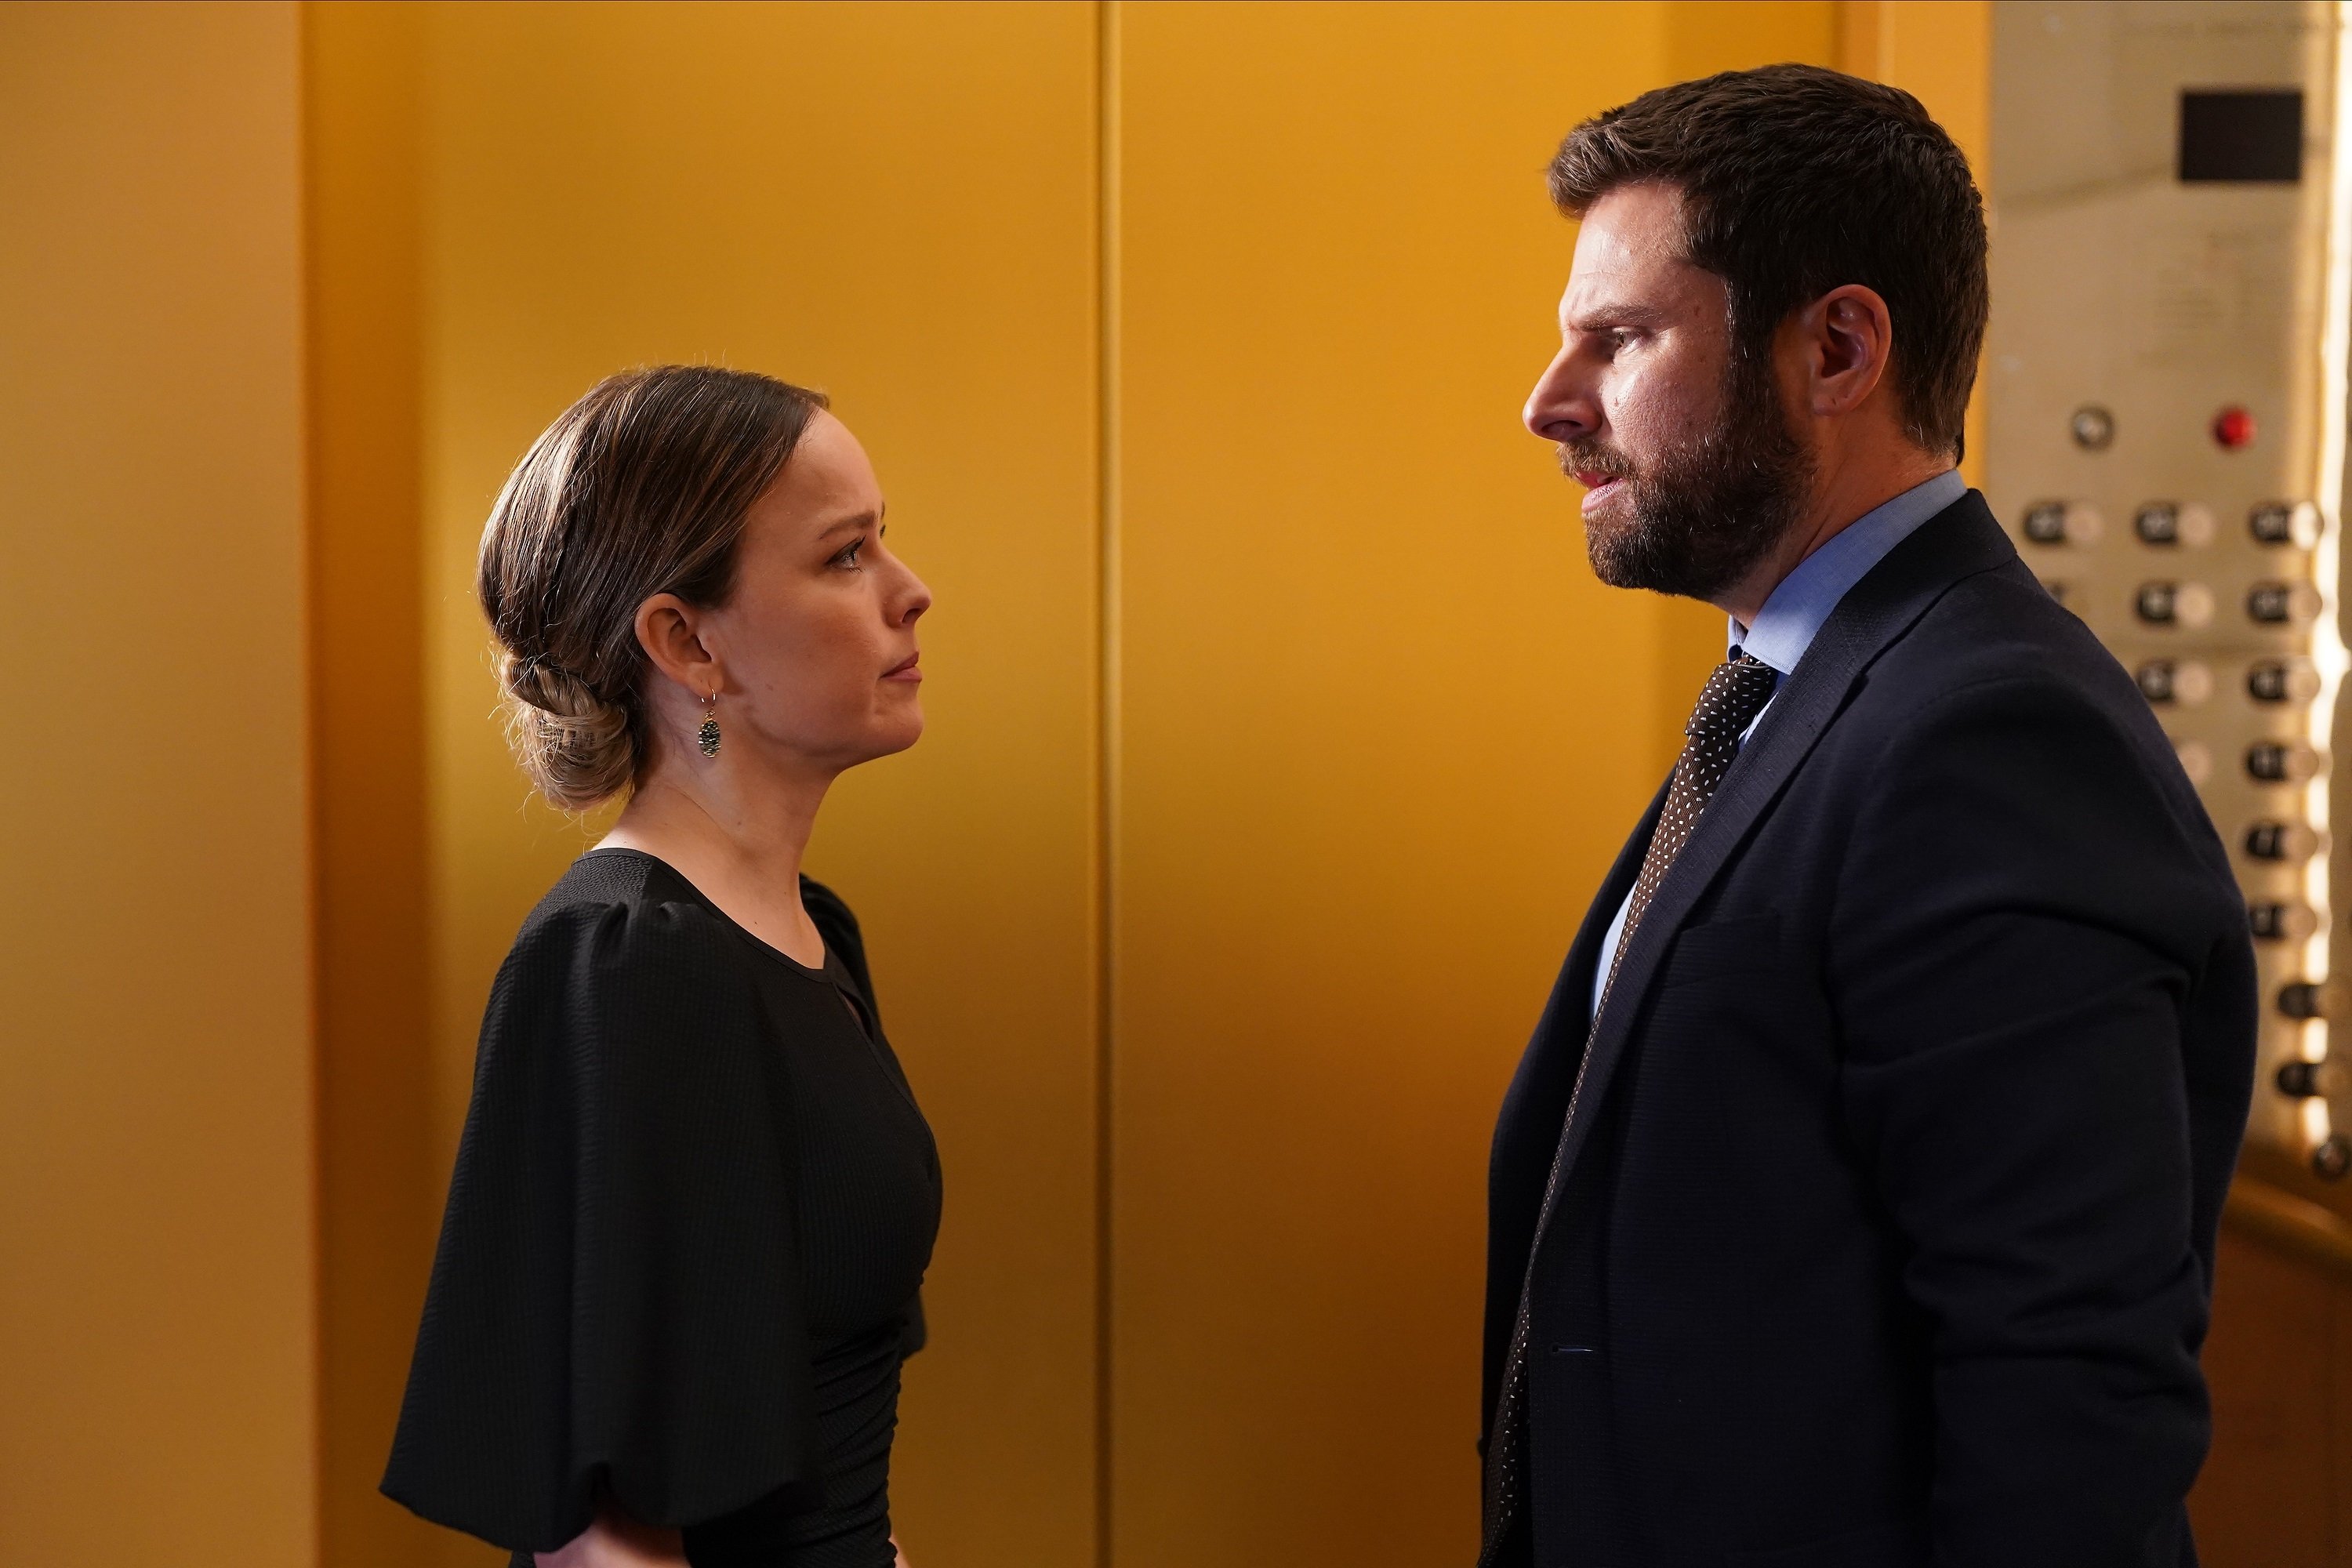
(1796, 180)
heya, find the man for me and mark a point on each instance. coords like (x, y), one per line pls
(1853, 1206)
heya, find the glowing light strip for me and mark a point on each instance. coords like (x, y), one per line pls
(2328, 655)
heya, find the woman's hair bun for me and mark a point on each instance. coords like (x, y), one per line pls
(574, 745)
(640, 487)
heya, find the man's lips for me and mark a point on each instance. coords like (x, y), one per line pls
(1592, 481)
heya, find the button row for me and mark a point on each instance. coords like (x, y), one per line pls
(2267, 762)
(2190, 606)
(2093, 428)
(2166, 603)
(2189, 681)
(2164, 522)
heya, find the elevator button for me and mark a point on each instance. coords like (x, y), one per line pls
(2308, 999)
(2183, 680)
(2164, 604)
(2282, 680)
(2281, 761)
(2282, 604)
(2093, 427)
(2281, 841)
(2174, 522)
(2278, 522)
(2063, 522)
(2332, 1157)
(2233, 428)
(2304, 1079)
(2280, 922)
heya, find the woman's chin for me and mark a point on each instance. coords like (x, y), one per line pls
(897, 731)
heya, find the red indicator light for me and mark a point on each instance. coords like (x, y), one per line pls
(2233, 427)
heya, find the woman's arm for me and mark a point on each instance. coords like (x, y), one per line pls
(616, 1541)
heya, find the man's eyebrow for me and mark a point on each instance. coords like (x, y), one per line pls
(1601, 317)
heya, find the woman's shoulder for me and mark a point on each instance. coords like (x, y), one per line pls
(622, 986)
(621, 924)
(618, 918)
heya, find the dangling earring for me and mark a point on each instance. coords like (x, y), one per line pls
(708, 736)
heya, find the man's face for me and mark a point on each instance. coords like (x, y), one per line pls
(1691, 472)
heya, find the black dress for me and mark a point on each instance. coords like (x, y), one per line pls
(692, 1208)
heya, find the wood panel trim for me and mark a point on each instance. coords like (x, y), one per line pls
(2302, 1229)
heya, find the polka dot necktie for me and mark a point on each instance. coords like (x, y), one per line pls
(1734, 694)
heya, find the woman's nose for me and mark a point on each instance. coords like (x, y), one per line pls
(915, 601)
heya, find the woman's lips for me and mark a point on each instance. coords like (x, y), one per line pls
(904, 669)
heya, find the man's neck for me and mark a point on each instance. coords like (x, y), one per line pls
(1843, 494)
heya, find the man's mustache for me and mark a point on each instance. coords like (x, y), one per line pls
(1587, 457)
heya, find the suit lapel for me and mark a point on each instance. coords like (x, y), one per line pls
(1527, 1129)
(1571, 998)
(1959, 542)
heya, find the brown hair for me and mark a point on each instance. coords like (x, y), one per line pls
(640, 487)
(1796, 180)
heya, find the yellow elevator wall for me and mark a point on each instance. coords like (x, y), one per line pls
(378, 1167)
(894, 203)
(1378, 731)
(156, 1375)
(1370, 733)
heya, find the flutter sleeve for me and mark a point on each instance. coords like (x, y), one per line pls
(616, 1304)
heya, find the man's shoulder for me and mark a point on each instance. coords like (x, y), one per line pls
(1997, 694)
(1991, 633)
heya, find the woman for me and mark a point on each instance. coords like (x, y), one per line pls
(695, 1198)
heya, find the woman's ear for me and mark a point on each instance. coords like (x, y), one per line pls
(670, 631)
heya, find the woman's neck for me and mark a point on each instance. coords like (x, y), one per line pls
(737, 834)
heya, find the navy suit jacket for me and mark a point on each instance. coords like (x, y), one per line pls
(1886, 1232)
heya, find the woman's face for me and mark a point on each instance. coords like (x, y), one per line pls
(817, 639)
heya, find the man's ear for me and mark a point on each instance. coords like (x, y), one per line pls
(1849, 343)
(670, 631)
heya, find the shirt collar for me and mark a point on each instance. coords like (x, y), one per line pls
(1794, 613)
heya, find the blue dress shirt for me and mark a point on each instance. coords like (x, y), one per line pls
(1793, 615)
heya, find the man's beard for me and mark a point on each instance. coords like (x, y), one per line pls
(1706, 512)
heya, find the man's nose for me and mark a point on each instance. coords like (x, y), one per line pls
(1560, 408)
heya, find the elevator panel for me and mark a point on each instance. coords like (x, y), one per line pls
(2164, 384)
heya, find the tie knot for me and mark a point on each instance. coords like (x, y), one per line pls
(1734, 694)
